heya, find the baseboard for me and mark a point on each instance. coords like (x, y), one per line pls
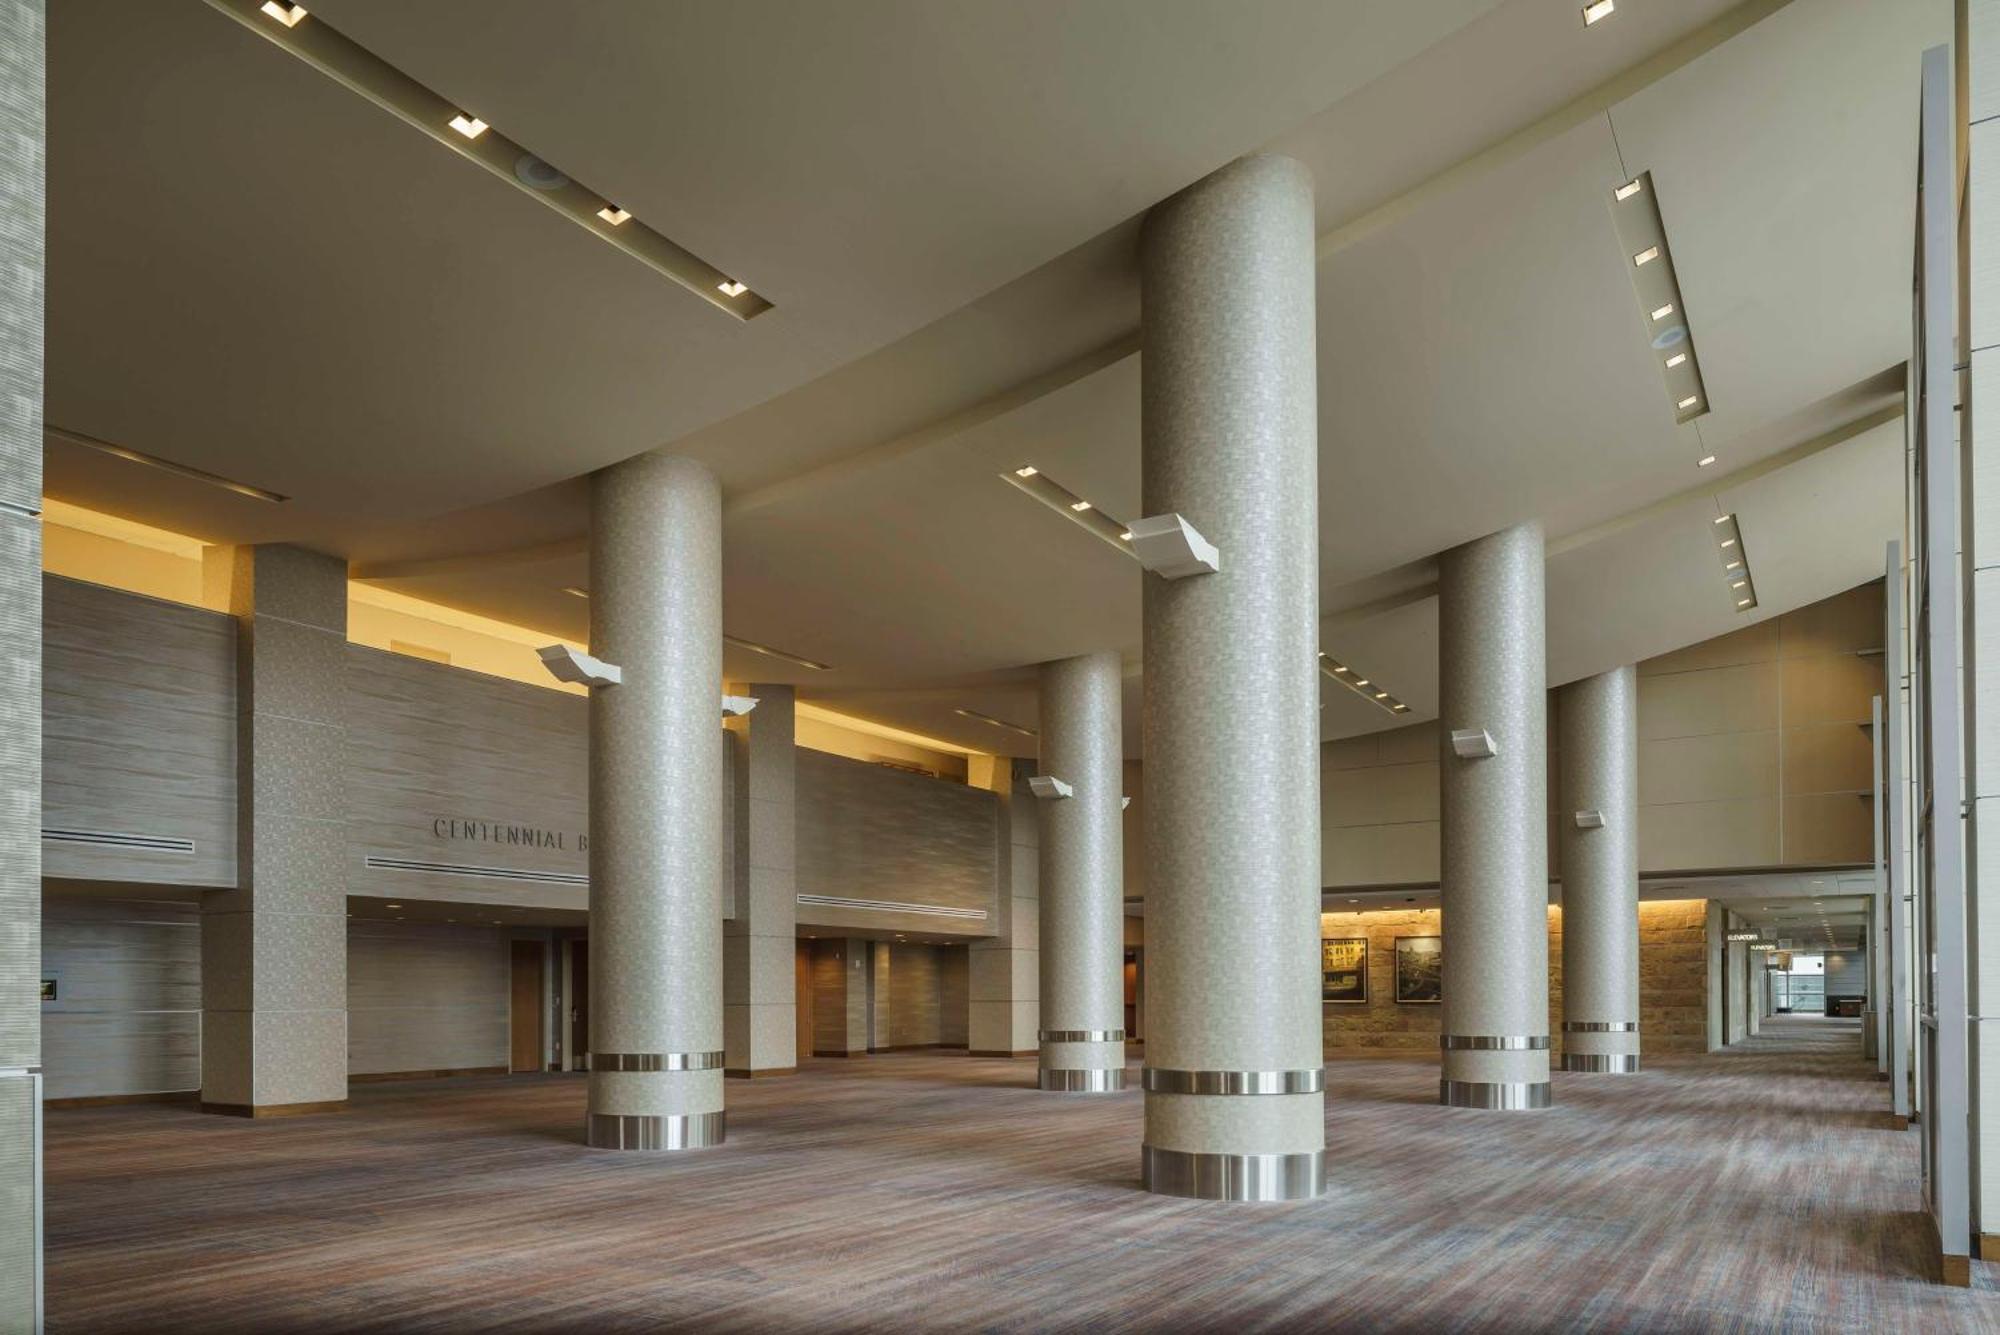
(107, 1100)
(757, 1072)
(274, 1109)
(379, 1077)
(921, 1047)
(1955, 1270)
(982, 1052)
(1989, 1246)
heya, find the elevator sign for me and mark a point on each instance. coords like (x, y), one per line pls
(1744, 936)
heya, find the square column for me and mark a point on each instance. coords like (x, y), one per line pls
(759, 990)
(274, 950)
(1004, 987)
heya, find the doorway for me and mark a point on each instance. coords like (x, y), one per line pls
(525, 1010)
(579, 1005)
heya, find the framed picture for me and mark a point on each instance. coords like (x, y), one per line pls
(1419, 970)
(1343, 970)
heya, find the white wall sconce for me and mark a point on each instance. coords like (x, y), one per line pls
(1170, 547)
(1124, 803)
(1473, 743)
(1049, 788)
(579, 668)
(1589, 820)
(734, 706)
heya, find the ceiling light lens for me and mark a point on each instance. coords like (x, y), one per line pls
(614, 215)
(1662, 312)
(1598, 11)
(1688, 402)
(1126, 536)
(1704, 461)
(1026, 470)
(731, 288)
(1627, 190)
(1723, 519)
(1647, 256)
(1743, 602)
(289, 15)
(1676, 360)
(469, 126)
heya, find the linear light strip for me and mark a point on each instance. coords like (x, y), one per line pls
(347, 62)
(996, 722)
(1077, 509)
(1736, 578)
(1635, 213)
(133, 456)
(1364, 687)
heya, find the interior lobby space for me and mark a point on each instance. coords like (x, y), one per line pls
(999, 665)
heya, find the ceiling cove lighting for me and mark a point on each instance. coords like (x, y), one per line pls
(978, 717)
(1635, 214)
(164, 465)
(361, 71)
(1598, 11)
(1076, 509)
(1735, 562)
(1359, 684)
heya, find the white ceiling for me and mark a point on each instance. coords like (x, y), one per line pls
(940, 200)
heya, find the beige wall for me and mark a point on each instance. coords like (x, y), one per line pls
(1672, 980)
(1753, 753)
(127, 1014)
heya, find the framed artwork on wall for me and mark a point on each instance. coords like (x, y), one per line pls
(1343, 970)
(1419, 970)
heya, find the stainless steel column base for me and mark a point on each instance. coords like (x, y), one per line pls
(1615, 1063)
(1233, 1177)
(1074, 1081)
(678, 1131)
(1501, 1094)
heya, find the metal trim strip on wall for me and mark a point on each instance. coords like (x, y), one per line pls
(158, 843)
(1158, 1081)
(656, 1061)
(1493, 1042)
(462, 869)
(1082, 1036)
(890, 906)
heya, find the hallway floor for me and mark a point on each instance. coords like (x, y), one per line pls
(1754, 1189)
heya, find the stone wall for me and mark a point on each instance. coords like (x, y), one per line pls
(1672, 980)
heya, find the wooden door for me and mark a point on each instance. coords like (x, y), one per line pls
(803, 997)
(526, 1008)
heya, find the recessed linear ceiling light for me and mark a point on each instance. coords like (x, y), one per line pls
(1704, 461)
(164, 465)
(995, 722)
(1678, 359)
(1070, 506)
(1647, 256)
(1359, 684)
(614, 215)
(1598, 11)
(289, 15)
(1688, 402)
(575, 592)
(1662, 312)
(361, 71)
(1627, 190)
(1723, 519)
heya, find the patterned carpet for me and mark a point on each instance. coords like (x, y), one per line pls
(1758, 1189)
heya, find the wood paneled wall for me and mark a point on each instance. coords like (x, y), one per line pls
(426, 996)
(1673, 980)
(139, 735)
(127, 1014)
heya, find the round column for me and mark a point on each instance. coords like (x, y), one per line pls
(656, 807)
(1234, 1108)
(1598, 722)
(1494, 808)
(1082, 877)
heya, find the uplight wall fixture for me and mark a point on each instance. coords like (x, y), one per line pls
(1635, 215)
(361, 71)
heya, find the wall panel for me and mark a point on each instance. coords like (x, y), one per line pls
(127, 1014)
(424, 996)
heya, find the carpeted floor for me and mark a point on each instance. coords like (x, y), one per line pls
(1757, 1189)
